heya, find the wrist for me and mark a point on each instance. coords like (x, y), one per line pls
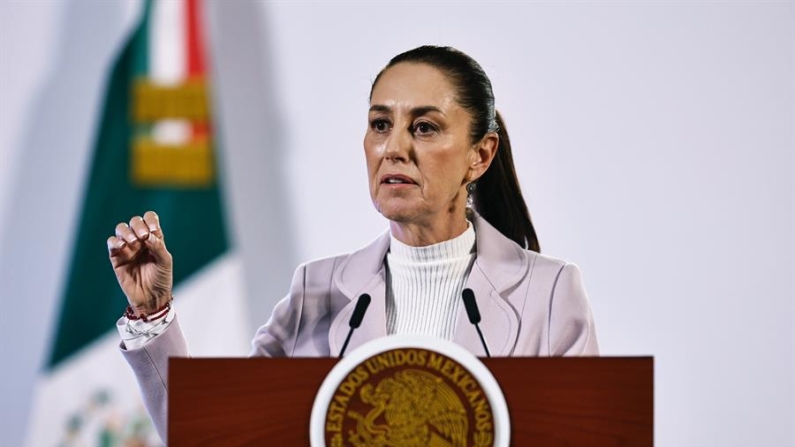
(147, 314)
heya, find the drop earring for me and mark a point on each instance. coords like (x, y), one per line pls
(470, 193)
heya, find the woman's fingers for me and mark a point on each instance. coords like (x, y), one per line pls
(157, 248)
(140, 232)
(127, 235)
(115, 246)
(119, 251)
(148, 230)
(138, 227)
(154, 236)
(152, 221)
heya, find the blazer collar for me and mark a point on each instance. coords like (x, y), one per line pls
(500, 265)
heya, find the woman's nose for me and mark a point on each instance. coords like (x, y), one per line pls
(398, 147)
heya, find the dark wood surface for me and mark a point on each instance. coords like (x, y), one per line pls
(598, 401)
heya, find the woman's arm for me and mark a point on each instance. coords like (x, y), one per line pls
(571, 326)
(150, 365)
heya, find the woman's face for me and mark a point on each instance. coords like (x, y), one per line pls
(419, 154)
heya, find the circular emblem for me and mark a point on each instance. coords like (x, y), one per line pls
(410, 391)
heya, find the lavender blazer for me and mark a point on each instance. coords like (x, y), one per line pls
(531, 305)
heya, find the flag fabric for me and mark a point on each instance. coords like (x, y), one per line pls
(154, 150)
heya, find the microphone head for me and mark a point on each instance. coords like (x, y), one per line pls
(471, 306)
(358, 312)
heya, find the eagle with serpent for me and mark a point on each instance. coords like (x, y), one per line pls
(412, 408)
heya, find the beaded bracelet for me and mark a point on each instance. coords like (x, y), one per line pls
(159, 313)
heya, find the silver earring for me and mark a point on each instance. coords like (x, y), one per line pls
(470, 193)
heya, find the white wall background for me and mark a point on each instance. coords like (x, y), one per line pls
(655, 142)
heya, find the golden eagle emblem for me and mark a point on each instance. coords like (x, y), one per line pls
(408, 397)
(412, 408)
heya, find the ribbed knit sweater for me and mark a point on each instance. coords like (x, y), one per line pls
(424, 285)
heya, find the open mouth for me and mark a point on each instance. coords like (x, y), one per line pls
(397, 180)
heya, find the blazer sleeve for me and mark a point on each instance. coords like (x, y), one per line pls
(571, 326)
(278, 337)
(150, 362)
(150, 365)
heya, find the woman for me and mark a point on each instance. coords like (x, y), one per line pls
(434, 143)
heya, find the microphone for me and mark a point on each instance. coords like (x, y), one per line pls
(356, 318)
(474, 315)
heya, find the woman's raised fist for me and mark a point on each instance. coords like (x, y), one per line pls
(142, 263)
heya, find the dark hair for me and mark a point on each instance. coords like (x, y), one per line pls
(497, 196)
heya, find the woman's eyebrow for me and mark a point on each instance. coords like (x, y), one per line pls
(416, 111)
(380, 108)
(424, 110)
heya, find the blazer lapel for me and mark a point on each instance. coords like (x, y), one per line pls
(362, 272)
(500, 265)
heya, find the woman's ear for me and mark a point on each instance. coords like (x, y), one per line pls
(482, 155)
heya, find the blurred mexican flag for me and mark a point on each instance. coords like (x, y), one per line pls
(153, 148)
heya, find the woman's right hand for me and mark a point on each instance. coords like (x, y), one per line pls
(143, 265)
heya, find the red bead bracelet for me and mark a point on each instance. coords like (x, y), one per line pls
(159, 313)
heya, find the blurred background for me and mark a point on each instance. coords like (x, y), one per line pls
(654, 141)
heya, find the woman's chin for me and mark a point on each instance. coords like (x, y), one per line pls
(397, 216)
(397, 212)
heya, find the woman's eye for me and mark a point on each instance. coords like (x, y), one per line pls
(424, 128)
(379, 125)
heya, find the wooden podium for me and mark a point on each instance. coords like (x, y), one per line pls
(592, 401)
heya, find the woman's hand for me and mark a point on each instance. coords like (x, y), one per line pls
(142, 263)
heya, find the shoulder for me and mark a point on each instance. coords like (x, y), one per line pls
(546, 266)
(507, 262)
(343, 267)
(558, 281)
(552, 277)
(373, 251)
(322, 266)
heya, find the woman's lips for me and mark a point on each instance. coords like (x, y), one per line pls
(397, 180)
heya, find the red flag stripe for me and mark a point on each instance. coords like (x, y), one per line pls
(195, 54)
(195, 41)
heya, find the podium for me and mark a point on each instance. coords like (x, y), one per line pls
(585, 401)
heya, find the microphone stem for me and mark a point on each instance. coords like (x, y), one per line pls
(345, 345)
(482, 340)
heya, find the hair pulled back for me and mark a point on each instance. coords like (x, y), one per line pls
(497, 196)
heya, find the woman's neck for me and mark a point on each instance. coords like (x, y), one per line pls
(423, 234)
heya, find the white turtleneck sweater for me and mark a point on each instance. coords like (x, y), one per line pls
(424, 285)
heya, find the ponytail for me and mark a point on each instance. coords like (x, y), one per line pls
(498, 198)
